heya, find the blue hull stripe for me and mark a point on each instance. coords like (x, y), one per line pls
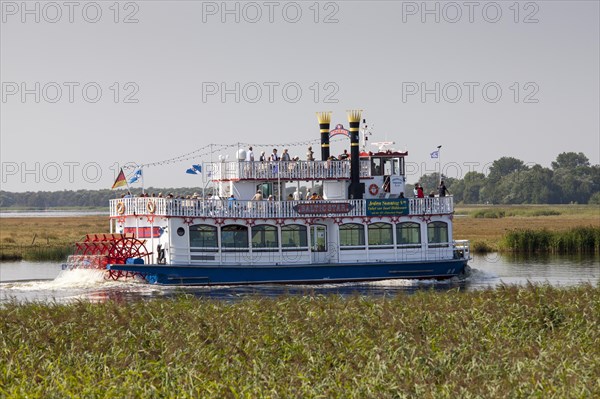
(295, 274)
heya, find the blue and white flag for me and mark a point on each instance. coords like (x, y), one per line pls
(435, 154)
(194, 170)
(136, 176)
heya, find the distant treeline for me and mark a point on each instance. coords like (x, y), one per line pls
(79, 198)
(571, 179)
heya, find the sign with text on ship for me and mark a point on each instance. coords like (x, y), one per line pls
(323, 208)
(387, 207)
(339, 129)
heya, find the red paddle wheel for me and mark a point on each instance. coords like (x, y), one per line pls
(123, 249)
(98, 250)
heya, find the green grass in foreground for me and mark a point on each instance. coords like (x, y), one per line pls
(536, 341)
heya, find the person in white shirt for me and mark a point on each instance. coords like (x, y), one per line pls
(250, 155)
(274, 155)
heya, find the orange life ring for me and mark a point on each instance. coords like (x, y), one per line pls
(120, 207)
(151, 206)
(373, 189)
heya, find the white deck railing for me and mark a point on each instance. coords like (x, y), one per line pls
(257, 209)
(294, 170)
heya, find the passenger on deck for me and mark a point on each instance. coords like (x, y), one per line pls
(329, 166)
(263, 157)
(344, 156)
(442, 190)
(296, 196)
(250, 155)
(258, 196)
(309, 154)
(285, 156)
(230, 201)
(420, 193)
(274, 155)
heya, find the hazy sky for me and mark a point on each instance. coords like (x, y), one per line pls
(90, 86)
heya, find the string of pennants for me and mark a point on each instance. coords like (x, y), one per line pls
(213, 149)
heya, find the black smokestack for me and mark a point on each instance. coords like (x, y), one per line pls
(356, 189)
(324, 121)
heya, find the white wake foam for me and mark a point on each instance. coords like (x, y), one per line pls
(67, 279)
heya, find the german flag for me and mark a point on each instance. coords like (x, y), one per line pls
(121, 180)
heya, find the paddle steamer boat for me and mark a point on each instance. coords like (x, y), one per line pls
(363, 229)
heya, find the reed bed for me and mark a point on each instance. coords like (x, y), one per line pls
(575, 240)
(588, 211)
(487, 234)
(36, 252)
(500, 213)
(54, 253)
(534, 341)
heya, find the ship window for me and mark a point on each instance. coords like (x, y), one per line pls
(234, 236)
(380, 234)
(352, 235)
(376, 167)
(387, 167)
(203, 236)
(265, 237)
(408, 234)
(437, 234)
(399, 166)
(294, 236)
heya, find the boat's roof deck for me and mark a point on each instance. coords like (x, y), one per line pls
(294, 170)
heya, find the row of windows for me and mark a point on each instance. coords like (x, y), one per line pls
(236, 236)
(381, 234)
(265, 237)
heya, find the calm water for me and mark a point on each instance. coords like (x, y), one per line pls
(43, 281)
(50, 214)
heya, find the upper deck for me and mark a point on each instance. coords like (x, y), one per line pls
(217, 208)
(285, 170)
(371, 165)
